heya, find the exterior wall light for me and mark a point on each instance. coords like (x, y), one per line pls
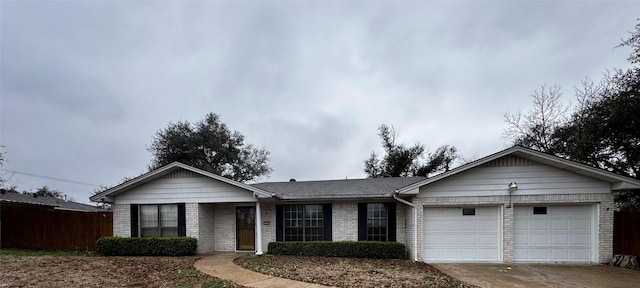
(513, 187)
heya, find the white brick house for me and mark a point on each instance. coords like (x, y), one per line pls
(516, 205)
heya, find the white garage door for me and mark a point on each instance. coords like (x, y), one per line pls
(461, 234)
(552, 234)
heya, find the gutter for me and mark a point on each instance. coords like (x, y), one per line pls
(415, 223)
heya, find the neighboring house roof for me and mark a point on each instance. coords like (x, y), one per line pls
(338, 189)
(19, 199)
(165, 170)
(617, 182)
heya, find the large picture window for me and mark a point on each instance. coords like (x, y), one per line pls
(303, 222)
(159, 220)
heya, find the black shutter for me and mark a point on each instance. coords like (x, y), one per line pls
(326, 211)
(362, 221)
(134, 220)
(182, 220)
(391, 222)
(279, 223)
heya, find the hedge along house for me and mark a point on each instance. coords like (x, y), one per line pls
(517, 205)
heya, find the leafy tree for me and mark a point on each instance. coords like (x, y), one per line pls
(402, 161)
(211, 146)
(45, 191)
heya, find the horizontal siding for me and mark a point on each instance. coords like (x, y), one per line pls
(531, 179)
(188, 190)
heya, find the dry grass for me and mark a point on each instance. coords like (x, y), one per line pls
(79, 271)
(350, 272)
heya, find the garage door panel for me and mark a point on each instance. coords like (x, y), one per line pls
(563, 234)
(580, 239)
(580, 225)
(561, 225)
(539, 224)
(461, 237)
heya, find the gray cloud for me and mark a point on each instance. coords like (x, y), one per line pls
(84, 86)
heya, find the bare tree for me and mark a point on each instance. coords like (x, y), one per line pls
(534, 129)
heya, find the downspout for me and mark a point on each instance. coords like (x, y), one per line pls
(415, 224)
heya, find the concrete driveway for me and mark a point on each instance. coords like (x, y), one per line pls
(541, 275)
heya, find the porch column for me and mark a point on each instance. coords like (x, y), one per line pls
(258, 229)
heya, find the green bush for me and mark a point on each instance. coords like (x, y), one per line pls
(350, 249)
(147, 246)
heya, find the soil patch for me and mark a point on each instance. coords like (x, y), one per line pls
(78, 271)
(351, 272)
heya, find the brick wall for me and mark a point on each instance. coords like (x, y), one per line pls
(121, 220)
(224, 229)
(344, 221)
(268, 231)
(206, 224)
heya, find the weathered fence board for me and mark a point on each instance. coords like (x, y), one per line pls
(53, 229)
(626, 233)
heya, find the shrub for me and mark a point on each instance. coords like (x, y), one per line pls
(351, 249)
(147, 246)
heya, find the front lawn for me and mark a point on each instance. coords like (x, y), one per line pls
(351, 272)
(28, 268)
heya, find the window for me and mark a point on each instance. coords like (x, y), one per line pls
(158, 220)
(376, 222)
(468, 211)
(303, 222)
(539, 210)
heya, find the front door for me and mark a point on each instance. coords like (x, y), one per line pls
(245, 228)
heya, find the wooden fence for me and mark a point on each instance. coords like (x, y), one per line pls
(626, 233)
(53, 229)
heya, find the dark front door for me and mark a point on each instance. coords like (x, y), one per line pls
(245, 228)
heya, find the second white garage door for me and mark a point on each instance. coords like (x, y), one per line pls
(461, 234)
(552, 233)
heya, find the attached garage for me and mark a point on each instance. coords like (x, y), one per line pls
(469, 234)
(553, 233)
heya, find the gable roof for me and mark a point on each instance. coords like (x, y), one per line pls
(617, 182)
(106, 196)
(338, 189)
(19, 199)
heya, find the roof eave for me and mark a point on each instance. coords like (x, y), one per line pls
(108, 194)
(617, 182)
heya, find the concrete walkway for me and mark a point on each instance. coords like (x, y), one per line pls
(222, 266)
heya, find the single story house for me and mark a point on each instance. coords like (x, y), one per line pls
(517, 205)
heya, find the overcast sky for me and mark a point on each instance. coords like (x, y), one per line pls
(85, 85)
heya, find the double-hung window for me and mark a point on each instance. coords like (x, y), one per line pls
(376, 222)
(158, 220)
(303, 222)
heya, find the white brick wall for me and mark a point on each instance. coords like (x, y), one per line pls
(344, 221)
(401, 223)
(224, 227)
(122, 220)
(605, 216)
(206, 224)
(268, 231)
(191, 219)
